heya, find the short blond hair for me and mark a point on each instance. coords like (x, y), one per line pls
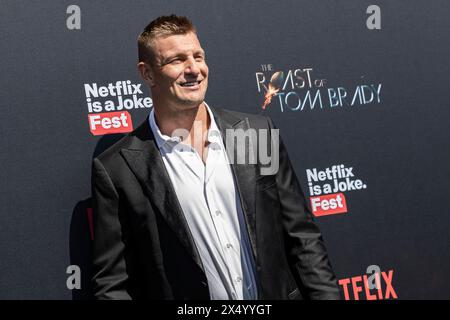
(162, 26)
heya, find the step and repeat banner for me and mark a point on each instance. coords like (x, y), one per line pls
(359, 90)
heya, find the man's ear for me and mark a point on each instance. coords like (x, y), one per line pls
(146, 72)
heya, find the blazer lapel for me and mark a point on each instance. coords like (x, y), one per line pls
(146, 162)
(245, 174)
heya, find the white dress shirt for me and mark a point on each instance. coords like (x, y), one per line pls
(208, 196)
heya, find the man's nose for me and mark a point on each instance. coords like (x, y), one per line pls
(192, 67)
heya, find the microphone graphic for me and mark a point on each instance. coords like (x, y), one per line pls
(275, 84)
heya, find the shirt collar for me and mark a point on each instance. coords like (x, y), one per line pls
(163, 140)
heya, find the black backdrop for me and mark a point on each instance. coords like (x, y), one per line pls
(396, 143)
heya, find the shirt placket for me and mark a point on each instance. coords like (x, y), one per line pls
(222, 223)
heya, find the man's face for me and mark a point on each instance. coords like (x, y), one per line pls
(180, 73)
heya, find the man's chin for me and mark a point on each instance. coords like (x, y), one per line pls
(191, 102)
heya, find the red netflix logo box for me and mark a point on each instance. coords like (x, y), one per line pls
(108, 105)
(110, 122)
(328, 204)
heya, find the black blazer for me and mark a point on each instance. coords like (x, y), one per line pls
(143, 247)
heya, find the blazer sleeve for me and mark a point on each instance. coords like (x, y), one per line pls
(109, 268)
(305, 248)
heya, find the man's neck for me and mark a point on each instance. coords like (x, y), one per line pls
(194, 120)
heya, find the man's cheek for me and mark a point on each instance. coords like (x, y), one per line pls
(205, 84)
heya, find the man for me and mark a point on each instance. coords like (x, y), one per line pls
(176, 218)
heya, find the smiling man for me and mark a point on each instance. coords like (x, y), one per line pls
(175, 218)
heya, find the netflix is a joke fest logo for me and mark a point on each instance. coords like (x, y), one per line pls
(108, 106)
(326, 188)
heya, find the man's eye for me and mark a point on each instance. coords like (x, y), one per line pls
(175, 61)
(200, 58)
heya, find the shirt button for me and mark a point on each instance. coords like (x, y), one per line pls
(238, 279)
(229, 245)
(218, 212)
